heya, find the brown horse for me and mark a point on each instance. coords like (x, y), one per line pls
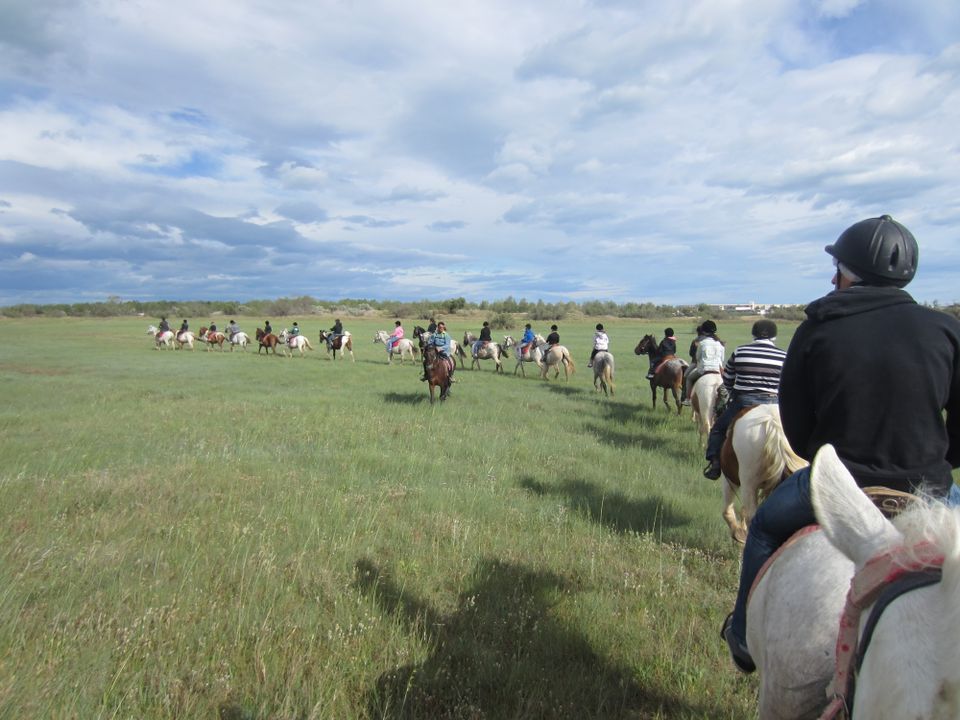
(343, 343)
(212, 338)
(668, 373)
(268, 341)
(439, 371)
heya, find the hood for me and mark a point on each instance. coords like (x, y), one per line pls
(855, 300)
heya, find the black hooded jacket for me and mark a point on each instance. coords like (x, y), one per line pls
(872, 372)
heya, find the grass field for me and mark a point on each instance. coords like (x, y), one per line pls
(203, 535)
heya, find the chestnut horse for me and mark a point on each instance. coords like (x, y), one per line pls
(212, 338)
(268, 341)
(438, 370)
(668, 373)
(343, 343)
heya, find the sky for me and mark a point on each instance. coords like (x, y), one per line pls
(636, 151)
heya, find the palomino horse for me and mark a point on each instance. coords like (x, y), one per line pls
(438, 370)
(704, 402)
(240, 339)
(533, 353)
(162, 339)
(343, 343)
(456, 349)
(212, 338)
(267, 340)
(755, 457)
(405, 346)
(293, 342)
(555, 357)
(603, 367)
(909, 658)
(668, 374)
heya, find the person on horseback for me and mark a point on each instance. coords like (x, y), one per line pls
(292, 334)
(600, 343)
(164, 325)
(552, 339)
(212, 329)
(709, 356)
(667, 346)
(184, 327)
(485, 337)
(442, 343)
(752, 377)
(267, 330)
(872, 373)
(527, 340)
(232, 329)
(337, 329)
(432, 326)
(395, 337)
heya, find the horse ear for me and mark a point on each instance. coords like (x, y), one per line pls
(851, 521)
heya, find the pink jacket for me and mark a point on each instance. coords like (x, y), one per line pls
(397, 332)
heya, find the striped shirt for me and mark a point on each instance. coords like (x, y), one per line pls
(754, 368)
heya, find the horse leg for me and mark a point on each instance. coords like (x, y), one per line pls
(676, 399)
(737, 528)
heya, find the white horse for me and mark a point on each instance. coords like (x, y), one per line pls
(185, 339)
(239, 339)
(165, 339)
(755, 457)
(911, 666)
(533, 354)
(489, 351)
(603, 367)
(293, 342)
(405, 346)
(704, 402)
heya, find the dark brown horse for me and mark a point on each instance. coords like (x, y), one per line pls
(439, 371)
(343, 343)
(668, 372)
(268, 341)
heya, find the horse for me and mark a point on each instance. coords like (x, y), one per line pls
(267, 340)
(404, 346)
(184, 339)
(240, 339)
(603, 367)
(533, 354)
(165, 339)
(755, 457)
(212, 338)
(438, 370)
(704, 402)
(456, 349)
(343, 343)
(489, 351)
(293, 342)
(802, 629)
(668, 374)
(555, 357)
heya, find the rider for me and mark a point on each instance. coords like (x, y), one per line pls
(751, 376)
(855, 376)
(667, 346)
(184, 327)
(293, 332)
(267, 330)
(485, 337)
(395, 337)
(600, 343)
(552, 339)
(164, 325)
(212, 329)
(527, 340)
(432, 326)
(442, 342)
(233, 329)
(709, 357)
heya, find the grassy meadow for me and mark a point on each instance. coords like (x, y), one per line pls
(227, 535)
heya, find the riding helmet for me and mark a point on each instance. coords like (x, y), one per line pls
(879, 250)
(553, 327)
(599, 326)
(668, 332)
(764, 329)
(709, 326)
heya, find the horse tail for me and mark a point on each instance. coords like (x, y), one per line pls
(568, 359)
(777, 457)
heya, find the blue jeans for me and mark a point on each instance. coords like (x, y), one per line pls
(787, 509)
(738, 402)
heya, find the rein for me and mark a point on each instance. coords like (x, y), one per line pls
(882, 580)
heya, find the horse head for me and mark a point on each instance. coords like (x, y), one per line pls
(646, 346)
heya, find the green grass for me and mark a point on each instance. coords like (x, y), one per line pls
(191, 535)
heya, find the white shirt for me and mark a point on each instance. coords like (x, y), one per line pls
(710, 355)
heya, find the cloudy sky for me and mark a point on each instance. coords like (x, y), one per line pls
(676, 152)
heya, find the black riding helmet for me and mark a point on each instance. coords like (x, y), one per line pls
(880, 250)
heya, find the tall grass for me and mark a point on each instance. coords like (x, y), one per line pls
(208, 534)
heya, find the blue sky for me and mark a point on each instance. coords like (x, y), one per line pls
(681, 152)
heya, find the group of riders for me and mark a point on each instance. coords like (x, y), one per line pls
(233, 329)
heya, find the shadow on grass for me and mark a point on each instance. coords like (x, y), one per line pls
(565, 389)
(613, 510)
(411, 398)
(502, 654)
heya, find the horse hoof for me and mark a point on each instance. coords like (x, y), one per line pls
(740, 536)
